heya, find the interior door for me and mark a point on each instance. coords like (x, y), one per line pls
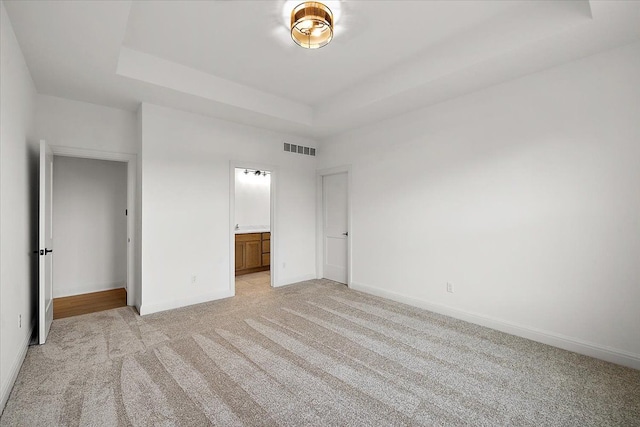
(45, 237)
(336, 233)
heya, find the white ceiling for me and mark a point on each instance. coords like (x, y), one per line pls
(252, 46)
(235, 59)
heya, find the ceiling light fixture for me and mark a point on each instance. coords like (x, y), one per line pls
(311, 24)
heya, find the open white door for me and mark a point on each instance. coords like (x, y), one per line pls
(335, 199)
(45, 238)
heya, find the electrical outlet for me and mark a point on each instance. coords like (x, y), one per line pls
(194, 279)
(449, 287)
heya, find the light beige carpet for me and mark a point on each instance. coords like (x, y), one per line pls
(312, 354)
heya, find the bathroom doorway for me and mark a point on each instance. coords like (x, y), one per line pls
(252, 231)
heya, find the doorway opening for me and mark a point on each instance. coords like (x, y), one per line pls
(333, 250)
(90, 227)
(48, 240)
(252, 229)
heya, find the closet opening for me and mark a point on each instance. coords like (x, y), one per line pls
(90, 221)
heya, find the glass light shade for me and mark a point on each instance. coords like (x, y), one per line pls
(311, 25)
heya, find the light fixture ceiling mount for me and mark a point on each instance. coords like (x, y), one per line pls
(311, 24)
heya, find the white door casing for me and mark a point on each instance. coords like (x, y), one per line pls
(335, 226)
(132, 285)
(45, 243)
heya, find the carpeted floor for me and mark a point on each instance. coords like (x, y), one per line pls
(311, 354)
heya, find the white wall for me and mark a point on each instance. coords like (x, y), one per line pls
(68, 123)
(524, 195)
(252, 203)
(18, 179)
(186, 203)
(89, 225)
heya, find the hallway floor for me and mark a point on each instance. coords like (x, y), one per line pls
(89, 303)
(254, 283)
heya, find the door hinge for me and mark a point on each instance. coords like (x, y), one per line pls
(126, 212)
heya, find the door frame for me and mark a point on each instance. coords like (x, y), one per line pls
(320, 174)
(131, 161)
(233, 164)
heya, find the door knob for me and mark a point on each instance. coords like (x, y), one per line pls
(46, 251)
(346, 233)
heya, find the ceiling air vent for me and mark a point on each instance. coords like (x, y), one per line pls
(293, 148)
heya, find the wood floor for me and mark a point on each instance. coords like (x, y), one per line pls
(89, 303)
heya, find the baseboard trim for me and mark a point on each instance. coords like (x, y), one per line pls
(184, 302)
(83, 290)
(15, 369)
(294, 280)
(564, 342)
